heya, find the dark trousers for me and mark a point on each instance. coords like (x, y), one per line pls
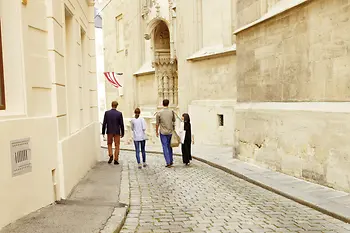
(186, 152)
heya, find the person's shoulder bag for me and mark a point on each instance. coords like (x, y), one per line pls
(175, 139)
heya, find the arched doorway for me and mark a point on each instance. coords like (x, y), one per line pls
(165, 66)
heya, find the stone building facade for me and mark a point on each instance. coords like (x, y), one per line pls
(169, 49)
(268, 77)
(293, 76)
(48, 111)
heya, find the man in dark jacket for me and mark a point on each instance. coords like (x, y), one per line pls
(113, 121)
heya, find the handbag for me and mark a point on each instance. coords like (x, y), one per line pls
(175, 139)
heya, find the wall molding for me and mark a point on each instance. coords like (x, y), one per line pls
(278, 9)
(212, 52)
(145, 69)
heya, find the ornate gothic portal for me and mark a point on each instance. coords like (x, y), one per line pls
(165, 67)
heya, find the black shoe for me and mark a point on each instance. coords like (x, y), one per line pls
(168, 165)
(110, 159)
(171, 163)
(116, 162)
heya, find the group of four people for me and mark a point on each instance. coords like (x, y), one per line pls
(113, 125)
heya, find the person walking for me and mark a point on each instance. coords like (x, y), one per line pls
(113, 123)
(165, 124)
(138, 127)
(188, 139)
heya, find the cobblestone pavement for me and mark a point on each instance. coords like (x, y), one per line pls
(200, 198)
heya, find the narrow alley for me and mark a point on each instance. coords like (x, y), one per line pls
(200, 198)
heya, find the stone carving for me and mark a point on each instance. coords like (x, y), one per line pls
(147, 36)
(146, 6)
(166, 73)
(158, 9)
(165, 67)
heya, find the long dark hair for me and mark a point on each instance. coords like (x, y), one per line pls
(137, 113)
(186, 118)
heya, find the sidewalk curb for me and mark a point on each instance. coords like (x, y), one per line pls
(262, 185)
(116, 222)
(277, 191)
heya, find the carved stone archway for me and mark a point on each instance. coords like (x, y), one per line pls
(165, 66)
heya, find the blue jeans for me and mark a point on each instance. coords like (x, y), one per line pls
(141, 144)
(167, 149)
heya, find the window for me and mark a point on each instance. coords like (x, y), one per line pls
(120, 33)
(221, 119)
(2, 81)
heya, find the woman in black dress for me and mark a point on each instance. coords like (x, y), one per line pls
(186, 146)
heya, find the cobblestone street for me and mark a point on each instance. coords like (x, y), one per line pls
(200, 198)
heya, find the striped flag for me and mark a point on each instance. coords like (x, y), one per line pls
(112, 78)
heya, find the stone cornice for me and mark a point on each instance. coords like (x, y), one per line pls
(212, 52)
(145, 70)
(278, 9)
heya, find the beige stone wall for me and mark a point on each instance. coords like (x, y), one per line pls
(298, 56)
(248, 11)
(291, 58)
(146, 86)
(126, 60)
(207, 86)
(207, 79)
(308, 145)
(214, 79)
(56, 109)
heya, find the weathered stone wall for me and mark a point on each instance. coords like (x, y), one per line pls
(292, 58)
(147, 90)
(214, 79)
(126, 59)
(207, 87)
(248, 11)
(309, 145)
(301, 55)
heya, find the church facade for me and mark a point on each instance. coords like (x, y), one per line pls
(168, 50)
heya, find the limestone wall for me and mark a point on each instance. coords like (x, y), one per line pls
(300, 55)
(207, 84)
(292, 58)
(146, 90)
(51, 98)
(248, 11)
(309, 145)
(213, 79)
(123, 50)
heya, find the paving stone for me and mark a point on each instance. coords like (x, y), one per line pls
(200, 198)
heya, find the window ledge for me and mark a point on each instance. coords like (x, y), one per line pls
(212, 52)
(276, 10)
(145, 69)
